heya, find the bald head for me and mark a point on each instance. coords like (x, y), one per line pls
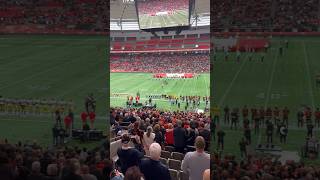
(206, 174)
(155, 151)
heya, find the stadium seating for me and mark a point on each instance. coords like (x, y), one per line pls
(174, 174)
(53, 16)
(174, 164)
(165, 154)
(265, 15)
(202, 43)
(177, 156)
(161, 63)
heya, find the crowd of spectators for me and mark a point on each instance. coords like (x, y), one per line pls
(33, 162)
(151, 7)
(276, 15)
(161, 63)
(264, 168)
(91, 15)
(151, 131)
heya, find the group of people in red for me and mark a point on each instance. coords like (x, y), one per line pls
(85, 116)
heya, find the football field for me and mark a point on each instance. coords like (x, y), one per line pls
(129, 84)
(287, 80)
(179, 18)
(46, 67)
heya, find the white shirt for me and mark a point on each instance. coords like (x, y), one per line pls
(148, 140)
(195, 164)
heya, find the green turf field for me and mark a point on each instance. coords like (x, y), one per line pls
(45, 67)
(278, 81)
(131, 83)
(180, 18)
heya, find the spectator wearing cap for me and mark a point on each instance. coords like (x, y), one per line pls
(152, 168)
(128, 156)
(195, 163)
(179, 137)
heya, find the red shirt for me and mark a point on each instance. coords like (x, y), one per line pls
(84, 116)
(317, 114)
(169, 137)
(92, 115)
(67, 120)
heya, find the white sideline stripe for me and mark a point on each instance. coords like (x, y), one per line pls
(232, 82)
(271, 79)
(269, 87)
(306, 60)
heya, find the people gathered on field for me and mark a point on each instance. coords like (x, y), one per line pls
(151, 7)
(150, 138)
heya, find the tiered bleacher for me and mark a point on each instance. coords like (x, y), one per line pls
(31, 161)
(165, 129)
(161, 63)
(21, 16)
(265, 15)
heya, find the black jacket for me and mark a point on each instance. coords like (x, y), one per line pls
(179, 137)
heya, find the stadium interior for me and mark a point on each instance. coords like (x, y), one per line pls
(226, 90)
(150, 71)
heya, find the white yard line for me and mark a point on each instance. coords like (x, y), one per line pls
(207, 87)
(306, 60)
(232, 82)
(271, 79)
(269, 88)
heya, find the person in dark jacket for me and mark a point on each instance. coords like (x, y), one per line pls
(179, 137)
(152, 168)
(128, 157)
(73, 170)
(159, 137)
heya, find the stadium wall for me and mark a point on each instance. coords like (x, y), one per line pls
(39, 29)
(265, 34)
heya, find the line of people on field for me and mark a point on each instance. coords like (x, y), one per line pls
(33, 106)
